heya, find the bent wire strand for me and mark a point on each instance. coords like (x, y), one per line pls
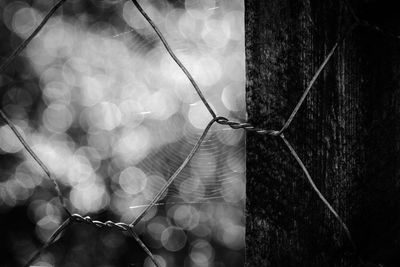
(315, 188)
(76, 218)
(160, 193)
(175, 58)
(8, 121)
(36, 158)
(22, 46)
(51, 240)
(28, 148)
(249, 127)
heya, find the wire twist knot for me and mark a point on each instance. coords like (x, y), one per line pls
(246, 126)
(110, 224)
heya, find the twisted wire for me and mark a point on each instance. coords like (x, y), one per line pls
(120, 226)
(109, 224)
(248, 126)
(221, 120)
(77, 218)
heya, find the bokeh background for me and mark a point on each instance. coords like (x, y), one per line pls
(112, 116)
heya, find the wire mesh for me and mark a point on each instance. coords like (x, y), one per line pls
(123, 227)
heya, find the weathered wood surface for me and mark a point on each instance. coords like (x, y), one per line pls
(347, 134)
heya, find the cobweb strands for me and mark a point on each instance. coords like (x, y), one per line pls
(180, 179)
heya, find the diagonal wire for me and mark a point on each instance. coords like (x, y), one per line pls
(36, 158)
(315, 77)
(51, 240)
(143, 246)
(247, 126)
(175, 58)
(320, 195)
(176, 173)
(117, 226)
(22, 46)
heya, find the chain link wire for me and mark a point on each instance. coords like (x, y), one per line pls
(129, 228)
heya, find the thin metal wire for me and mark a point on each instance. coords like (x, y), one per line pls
(175, 58)
(320, 195)
(36, 158)
(247, 126)
(221, 120)
(176, 173)
(315, 77)
(118, 226)
(51, 240)
(22, 46)
(28, 148)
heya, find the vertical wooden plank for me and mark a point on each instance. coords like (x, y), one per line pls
(286, 224)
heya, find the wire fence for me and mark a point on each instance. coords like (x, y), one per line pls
(130, 228)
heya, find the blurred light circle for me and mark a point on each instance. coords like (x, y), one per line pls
(8, 141)
(186, 217)
(159, 259)
(105, 116)
(234, 189)
(215, 34)
(233, 97)
(57, 118)
(161, 105)
(91, 92)
(89, 197)
(207, 72)
(133, 145)
(187, 26)
(156, 227)
(91, 154)
(25, 20)
(52, 74)
(80, 171)
(53, 154)
(9, 10)
(173, 238)
(234, 21)
(57, 92)
(101, 141)
(200, 9)
(198, 115)
(201, 252)
(132, 180)
(46, 226)
(59, 41)
(233, 236)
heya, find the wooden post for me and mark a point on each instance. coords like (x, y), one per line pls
(346, 133)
